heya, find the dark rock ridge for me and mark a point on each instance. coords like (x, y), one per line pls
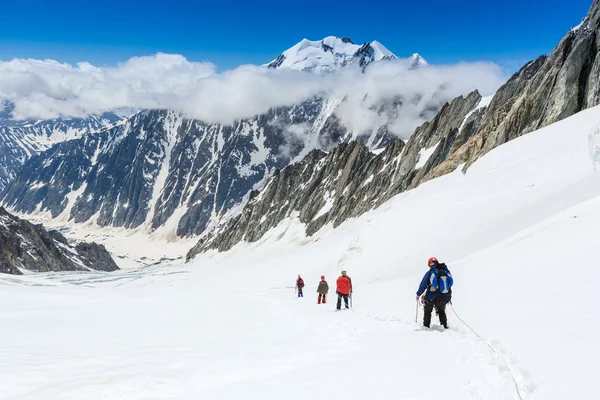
(158, 168)
(19, 140)
(366, 55)
(330, 188)
(32, 247)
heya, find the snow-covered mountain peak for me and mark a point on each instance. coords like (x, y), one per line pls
(330, 54)
(381, 51)
(416, 60)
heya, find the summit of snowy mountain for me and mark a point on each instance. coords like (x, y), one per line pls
(330, 54)
(416, 60)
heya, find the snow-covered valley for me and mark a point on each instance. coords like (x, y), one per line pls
(519, 231)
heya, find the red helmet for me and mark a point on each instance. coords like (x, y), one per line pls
(322, 278)
(432, 260)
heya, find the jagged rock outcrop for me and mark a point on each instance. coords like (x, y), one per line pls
(28, 246)
(95, 256)
(348, 181)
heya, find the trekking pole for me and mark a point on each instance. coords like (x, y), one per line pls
(417, 313)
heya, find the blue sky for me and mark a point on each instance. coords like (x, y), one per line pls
(230, 33)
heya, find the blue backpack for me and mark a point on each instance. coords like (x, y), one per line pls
(441, 281)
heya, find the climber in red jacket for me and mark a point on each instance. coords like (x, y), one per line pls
(343, 289)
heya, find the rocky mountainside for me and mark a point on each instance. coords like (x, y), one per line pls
(332, 53)
(160, 169)
(31, 247)
(19, 140)
(330, 188)
(348, 181)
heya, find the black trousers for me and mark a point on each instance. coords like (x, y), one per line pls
(339, 302)
(440, 305)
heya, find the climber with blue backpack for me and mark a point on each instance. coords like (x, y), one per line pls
(436, 288)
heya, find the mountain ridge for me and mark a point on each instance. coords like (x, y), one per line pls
(21, 139)
(332, 53)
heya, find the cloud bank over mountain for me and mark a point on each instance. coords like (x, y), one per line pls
(44, 89)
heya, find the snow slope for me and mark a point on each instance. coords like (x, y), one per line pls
(519, 232)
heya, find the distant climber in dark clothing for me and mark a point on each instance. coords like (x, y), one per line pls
(300, 286)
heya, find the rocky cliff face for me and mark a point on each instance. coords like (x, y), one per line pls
(19, 140)
(27, 246)
(349, 181)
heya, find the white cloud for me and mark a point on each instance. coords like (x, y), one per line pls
(294, 138)
(47, 88)
(419, 90)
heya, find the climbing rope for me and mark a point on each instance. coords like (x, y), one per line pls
(493, 350)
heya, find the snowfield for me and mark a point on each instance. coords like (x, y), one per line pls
(520, 233)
